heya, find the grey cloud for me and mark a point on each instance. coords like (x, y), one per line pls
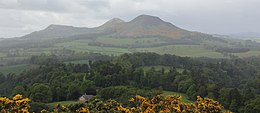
(19, 17)
(38, 5)
(97, 5)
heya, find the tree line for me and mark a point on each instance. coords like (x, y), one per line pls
(234, 83)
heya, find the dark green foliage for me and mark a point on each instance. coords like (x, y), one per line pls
(123, 93)
(40, 93)
(18, 90)
(253, 105)
(191, 92)
(37, 107)
(233, 82)
(73, 92)
(2, 77)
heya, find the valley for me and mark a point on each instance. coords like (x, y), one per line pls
(120, 60)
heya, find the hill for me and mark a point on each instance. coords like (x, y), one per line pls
(144, 33)
(141, 26)
(145, 25)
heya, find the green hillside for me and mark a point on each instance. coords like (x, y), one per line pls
(184, 96)
(183, 50)
(16, 69)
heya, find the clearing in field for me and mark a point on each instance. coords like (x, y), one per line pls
(54, 104)
(247, 54)
(82, 46)
(184, 96)
(159, 68)
(16, 69)
(183, 50)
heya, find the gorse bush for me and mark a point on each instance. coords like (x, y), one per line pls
(138, 104)
(169, 104)
(157, 104)
(17, 104)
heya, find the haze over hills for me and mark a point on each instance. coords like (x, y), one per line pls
(145, 25)
(77, 56)
(144, 33)
(246, 36)
(141, 26)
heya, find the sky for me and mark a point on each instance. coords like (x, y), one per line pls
(20, 17)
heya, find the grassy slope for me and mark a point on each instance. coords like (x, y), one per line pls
(15, 68)
(183, 50)
(257, 40)
(159, 67)
(2, 55)
(78, 62)
(184, 96)
(248, 54)
(165, 93)
(53, 104)
(129, 41)
(82, 46)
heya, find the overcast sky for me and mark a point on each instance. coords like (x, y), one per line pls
(20, 17)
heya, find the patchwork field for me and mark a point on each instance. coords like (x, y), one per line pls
(2, 55)
(159, 67)
(122, 45)
(129, 41)
(54, 104)
(78, 62)
(165, 93)
(184, 96)
(248, 54)
(117, 46)
(257, 40)
(16, 69)
(82, 46)
(183, 50)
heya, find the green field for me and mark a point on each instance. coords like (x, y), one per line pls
(2, 55)
(247, 54)
(257, 40)
(158, 68)
(129, 41)
(118, 46)
(116, 41)
(184, 96)
(78, 62)
(53, 104)
(165, 93)
(15, 68)
(82, 46)
(183, 50)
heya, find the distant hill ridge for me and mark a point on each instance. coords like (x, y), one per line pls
(141, 26)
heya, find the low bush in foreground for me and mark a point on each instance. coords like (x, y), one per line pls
(17, 104)
(138, 104)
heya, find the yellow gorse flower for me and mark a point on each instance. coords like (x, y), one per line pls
(83, 110)
(17, 97)
(17, 104)
(132, 100)
(172, 104)
(139, 104)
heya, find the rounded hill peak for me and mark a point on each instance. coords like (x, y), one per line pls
(116, 20)
(55, 26)
(147, 20)
(147, 17)
(112, 23)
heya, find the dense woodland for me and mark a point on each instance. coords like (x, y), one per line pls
(235, 83)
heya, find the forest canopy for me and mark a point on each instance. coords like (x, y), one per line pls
(232, 82)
